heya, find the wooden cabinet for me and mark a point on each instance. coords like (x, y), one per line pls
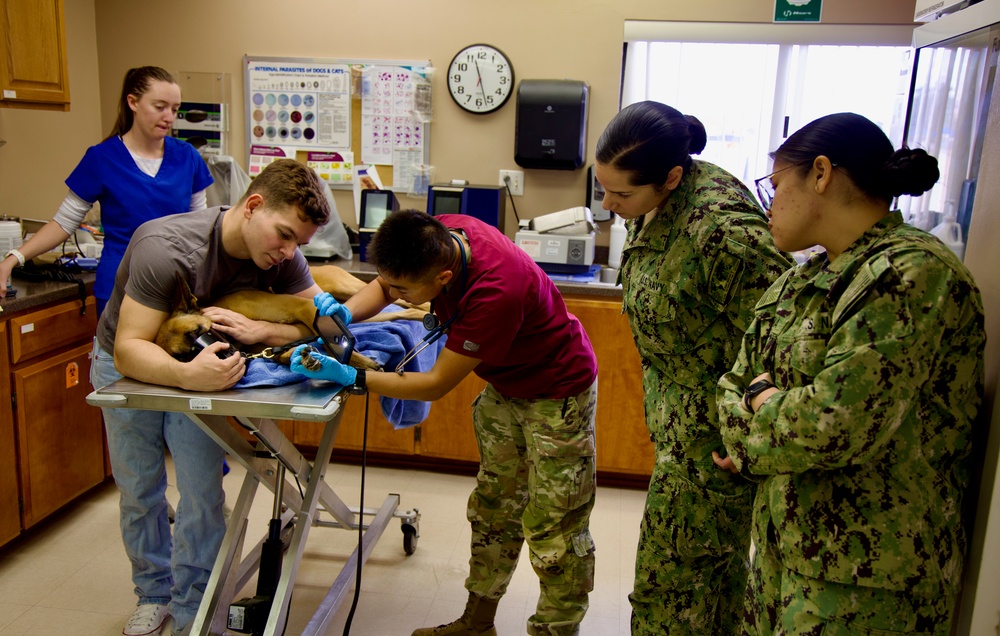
(10, 508)
(33, 67)
(447, 432)
(382, 438)
(60, 438)
(623, 446)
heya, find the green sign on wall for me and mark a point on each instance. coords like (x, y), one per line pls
(797, 10)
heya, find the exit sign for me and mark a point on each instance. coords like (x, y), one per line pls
(797, 10)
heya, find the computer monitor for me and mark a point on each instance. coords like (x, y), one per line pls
(486, 203)
(375, 206)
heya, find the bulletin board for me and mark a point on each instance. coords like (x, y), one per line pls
(338, 114)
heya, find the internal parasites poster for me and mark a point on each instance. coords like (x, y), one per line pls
(299, 104)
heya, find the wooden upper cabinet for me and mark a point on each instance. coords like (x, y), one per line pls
(33, 68)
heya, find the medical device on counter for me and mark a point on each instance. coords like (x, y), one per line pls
(376, 205)
(484, 202)
(561, 242)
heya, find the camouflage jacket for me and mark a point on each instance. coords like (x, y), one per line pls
(879, 358)
(691, 277)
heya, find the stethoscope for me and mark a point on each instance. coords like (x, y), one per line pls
(435, 329)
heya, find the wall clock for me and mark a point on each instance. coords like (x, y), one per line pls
(480, 78)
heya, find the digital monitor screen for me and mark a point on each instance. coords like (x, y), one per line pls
(376, 206)
(447, 202)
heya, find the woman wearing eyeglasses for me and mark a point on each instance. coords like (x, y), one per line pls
(696, 259)
(854, 395)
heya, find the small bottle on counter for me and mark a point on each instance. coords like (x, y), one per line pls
(618, 233)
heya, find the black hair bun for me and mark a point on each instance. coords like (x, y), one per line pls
(698, 135)
(910, 171)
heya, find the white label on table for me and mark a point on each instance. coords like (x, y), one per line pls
(200, 404)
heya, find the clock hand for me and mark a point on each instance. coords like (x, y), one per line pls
(480, 82)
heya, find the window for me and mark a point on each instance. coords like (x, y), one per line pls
(753, 85)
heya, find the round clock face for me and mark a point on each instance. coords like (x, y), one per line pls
(480, 78)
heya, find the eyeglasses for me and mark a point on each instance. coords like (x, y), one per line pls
(765, 189)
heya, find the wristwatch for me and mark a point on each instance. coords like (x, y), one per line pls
(755, 389)
(16, 254)
(359, 387)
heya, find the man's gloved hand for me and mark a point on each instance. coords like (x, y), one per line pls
(329, 369)
(328, 306)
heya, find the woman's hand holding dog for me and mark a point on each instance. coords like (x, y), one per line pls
(327, 305)
(328, 368)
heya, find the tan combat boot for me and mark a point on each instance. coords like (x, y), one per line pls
(477, 620)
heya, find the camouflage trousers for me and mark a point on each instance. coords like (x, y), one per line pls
(691, 563)
(536, 484)
(781, 602)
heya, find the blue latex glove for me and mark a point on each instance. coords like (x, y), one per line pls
(328, 306)
(329, 368)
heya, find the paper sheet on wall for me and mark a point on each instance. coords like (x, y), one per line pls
(301, 105)
(260, 156)
(387, 119)
(409, 171)
(333, 167)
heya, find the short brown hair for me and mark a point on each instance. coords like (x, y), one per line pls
(286, 182)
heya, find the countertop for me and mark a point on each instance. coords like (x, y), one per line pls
(31, 294)
(35, 294)
(366, 272)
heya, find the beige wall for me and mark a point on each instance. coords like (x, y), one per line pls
(545, 39)
(43, 147)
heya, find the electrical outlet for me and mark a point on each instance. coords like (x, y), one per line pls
(516, 183)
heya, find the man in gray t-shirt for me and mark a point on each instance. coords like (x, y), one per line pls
(191, 244)
(252, 245)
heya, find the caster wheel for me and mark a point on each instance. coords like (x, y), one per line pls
(409, 539)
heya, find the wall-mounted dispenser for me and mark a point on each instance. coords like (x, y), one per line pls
(551, 125)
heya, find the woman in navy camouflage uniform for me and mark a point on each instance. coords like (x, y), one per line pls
(854, 395)
(697, 258)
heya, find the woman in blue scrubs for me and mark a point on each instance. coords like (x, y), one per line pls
(137, 174)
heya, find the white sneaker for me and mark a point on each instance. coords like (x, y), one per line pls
(146, 620)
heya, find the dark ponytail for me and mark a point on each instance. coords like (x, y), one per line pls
(136, 82)
(648, 139)
(860, 148)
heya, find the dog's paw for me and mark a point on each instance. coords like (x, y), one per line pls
(309, 361)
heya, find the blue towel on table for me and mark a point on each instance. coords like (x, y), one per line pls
(387, 344)
(384, 342)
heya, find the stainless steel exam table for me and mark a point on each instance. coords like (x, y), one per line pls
(267, 461)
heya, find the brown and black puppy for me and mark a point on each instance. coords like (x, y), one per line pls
(186, 323)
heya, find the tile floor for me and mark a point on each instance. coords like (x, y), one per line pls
(71, 576)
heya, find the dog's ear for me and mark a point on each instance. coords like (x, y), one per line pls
(184, 300)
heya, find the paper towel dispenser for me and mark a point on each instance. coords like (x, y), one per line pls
(551, 124)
